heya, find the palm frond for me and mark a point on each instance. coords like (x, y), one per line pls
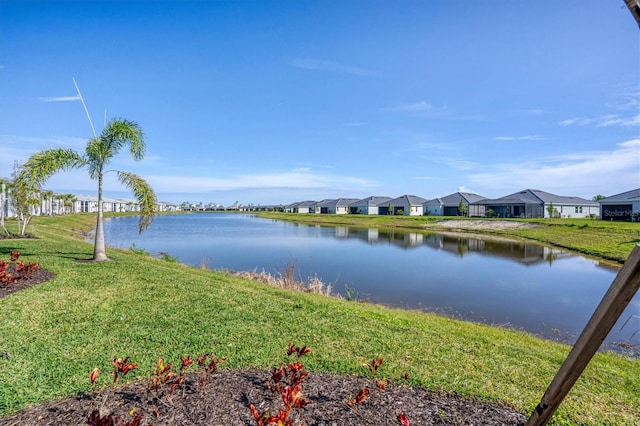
(44, 164)
(144, 195)
(119, 132)
(98, 153)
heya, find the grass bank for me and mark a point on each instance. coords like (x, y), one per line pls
(611, 241)
(53, 335)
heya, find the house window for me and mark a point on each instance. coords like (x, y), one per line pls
(576, 209)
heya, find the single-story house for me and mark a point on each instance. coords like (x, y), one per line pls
(450, 204)
(407, 205)
(536, 203)
(337, 206)
(367, 205)
(302, 207)
(320, 207)
(624, 206)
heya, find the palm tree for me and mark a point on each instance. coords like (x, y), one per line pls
(67, 203)
(98, 152)
(47, 197)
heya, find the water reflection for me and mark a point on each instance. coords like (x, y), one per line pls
(460, 245)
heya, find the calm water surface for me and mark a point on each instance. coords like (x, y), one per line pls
(539, 289)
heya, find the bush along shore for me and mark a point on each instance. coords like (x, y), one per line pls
(54, 334)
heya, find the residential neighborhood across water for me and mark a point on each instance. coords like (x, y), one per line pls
(527, 203)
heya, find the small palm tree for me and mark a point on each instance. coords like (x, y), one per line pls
(98, 152)
(47, 197)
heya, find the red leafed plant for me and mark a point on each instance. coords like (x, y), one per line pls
(292, 349)
(373, 365)
(363, 394)
(402, 418)
(121, 367)
(16, 270)
(287, 382)
(360, 397)
(209, 367)
(110, 420)
(165, 380)
(94, 375)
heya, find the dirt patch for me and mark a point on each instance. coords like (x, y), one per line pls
(484, 224)
(226, 400)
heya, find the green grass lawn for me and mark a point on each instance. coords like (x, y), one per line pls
(141, 307)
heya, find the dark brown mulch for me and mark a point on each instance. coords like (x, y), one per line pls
(227, 397)
(38, 277)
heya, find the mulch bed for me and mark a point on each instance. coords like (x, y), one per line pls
(227, 396)
(38, 277)
(226, 400)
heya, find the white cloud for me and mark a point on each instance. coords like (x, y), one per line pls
(581, 173)
(570, 121)
(357, 124)
(320, 65)
(295, 179)
(618, 121)
(418, 106)
(603, 121)
(422, 178)
(466, 190)
(520, 138)
(59, 99)
(458, 163)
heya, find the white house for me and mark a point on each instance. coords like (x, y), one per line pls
(536, 203)
(407, 205)
(449, 205)
(368, 205)
(337, 206)
(302, 207)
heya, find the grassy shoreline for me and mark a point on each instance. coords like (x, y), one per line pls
(142, 307)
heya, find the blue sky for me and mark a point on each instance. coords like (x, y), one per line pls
(280, 101)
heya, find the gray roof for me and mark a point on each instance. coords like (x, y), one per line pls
(535, 196)
(411, 200)
(455, 198)
(337, 202)
(302, 204)
(345, 201)
(624, 197)
(434, 201)
(326, 202)
(371, 201)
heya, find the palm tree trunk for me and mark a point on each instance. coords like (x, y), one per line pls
(99, 251)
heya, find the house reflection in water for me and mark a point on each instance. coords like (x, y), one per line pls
(524, 253)
(527, 254)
